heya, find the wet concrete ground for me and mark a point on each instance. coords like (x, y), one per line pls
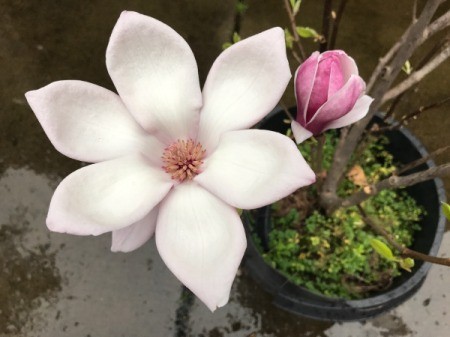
(55, 285)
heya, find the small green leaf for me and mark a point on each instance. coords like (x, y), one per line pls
(241, 7)
(296, 7)
(236, 37)
(381, 248)
(292, 3)
(406, 263)
(289, 38)
(407, 67)
(226, 45)
(446, 210)
(307, 32)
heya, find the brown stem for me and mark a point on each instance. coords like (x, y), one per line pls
(421, 161)
(394, 182)
(423, 109)
(326, 18)
(237, 22)
(393, 105)
(436, 26)
(413, 114)
(418, 75)
(337, 21)
(344, 151)
(296, 56)
(404, 251)
(297, 40)
(433, 51)
(414, 11)
(286, 111)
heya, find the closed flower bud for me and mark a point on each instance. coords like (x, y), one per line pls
(330, 94)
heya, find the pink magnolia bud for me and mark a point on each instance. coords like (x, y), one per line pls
(329, 92)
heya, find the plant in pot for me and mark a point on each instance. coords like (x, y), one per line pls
(357, 242)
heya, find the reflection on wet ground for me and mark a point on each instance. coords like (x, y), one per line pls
(56, 285)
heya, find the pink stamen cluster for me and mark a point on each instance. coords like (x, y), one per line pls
(183, 159)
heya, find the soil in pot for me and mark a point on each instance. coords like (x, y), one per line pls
(333, 255)
(340, 275)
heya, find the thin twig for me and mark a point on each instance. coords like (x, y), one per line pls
(418, 75)
(326, 18)
(394, 182)
(297, 41)
(319, 159)
(404, 251)
(421, 161)
(390, 111)
(433, 51)
(415, 113)
(337, 21)
(328, 196)
(436, 26)
(414, 11)
(286, 111)
(296, 56)
(423, 109)
(237, 22)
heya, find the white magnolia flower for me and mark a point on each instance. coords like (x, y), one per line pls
(171, 159)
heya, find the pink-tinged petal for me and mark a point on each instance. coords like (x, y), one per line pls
(300, 133)
(87, 122)
(337, 80)
(348, 65)
(358, 112)
(107, 196)
(319, 93)
(202, 241)
(156, 75)
(303, 83)
(134, 236)
(245, 83)
(338, 105)
(253, 168)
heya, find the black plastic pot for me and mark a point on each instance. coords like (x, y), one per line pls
(299, 300)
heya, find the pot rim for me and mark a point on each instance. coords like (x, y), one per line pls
(401, 291)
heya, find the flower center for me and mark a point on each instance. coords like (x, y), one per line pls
(182, 159)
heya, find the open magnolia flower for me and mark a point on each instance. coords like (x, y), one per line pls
(330, 94)
(170, 159)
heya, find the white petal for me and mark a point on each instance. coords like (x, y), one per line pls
(358, 112)
(156, 75)
(87, 122)
(245, 83)
(201, 239)
(300, 133)
(107, 196)
(132, 237)
(253, 168)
